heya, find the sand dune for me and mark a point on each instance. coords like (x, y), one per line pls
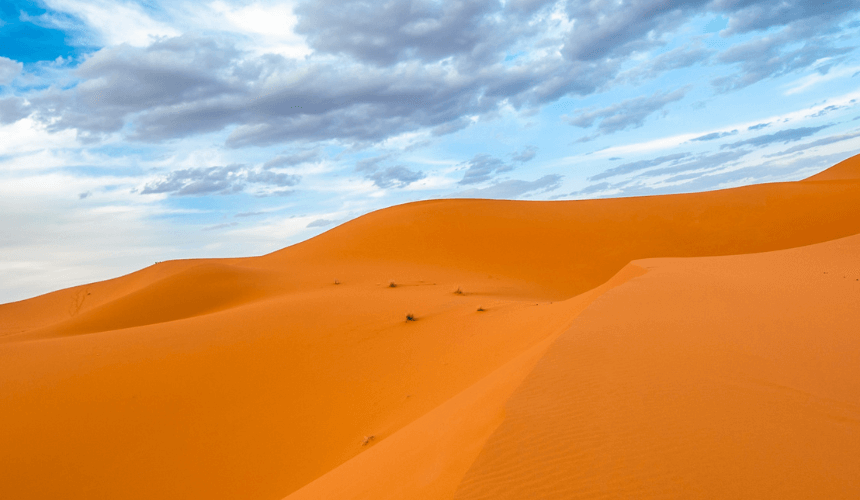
(725, 377)
(262, 378)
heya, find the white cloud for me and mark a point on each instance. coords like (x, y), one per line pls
(115, 22)
(270, 24)
(809, 81)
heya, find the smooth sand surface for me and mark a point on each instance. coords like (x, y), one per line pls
(726, 377)
(262, 378)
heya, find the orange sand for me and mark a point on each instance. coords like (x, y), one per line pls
(260, 378)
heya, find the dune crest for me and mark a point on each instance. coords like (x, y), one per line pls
(263, 378)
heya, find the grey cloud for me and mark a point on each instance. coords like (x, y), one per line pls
(370, 164)
(754, 16)
(217, 180)
(12, 109)
(220, 226)
(827, 109)
(171, 74)
(396, 176)
(772, 171)
(320, 223)
(701, 163)
(188, 85)
(783, 136)
(84, 195)
(680, 57)
(820, 142)
(528, 154)
(768, 57)
(9, 69)
(272, 178)
(308, 156)
(604, 28)
(199, 181)
(514, 188)
(482, 167)
(594, 188)
(626, 168)
(715, 135)
(404, 65)
(387, 32)
(248, 214)
(452, 126)
(608, 30)
(759, 126)
(527, 7)
(627, 114)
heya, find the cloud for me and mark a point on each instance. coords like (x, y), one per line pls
(677, 58)
(783, 136)
(761, 15)
(169, 75)
(9, 69)
(320, 223)
(820, 142)
(759, 126)
(604, 30)
(12, 109)
(626, 168)
(528, 154)
(218, 180)
(626, 114)
(482, 167)
(715, 135)
(513, 188)
(290, 160)
(220, 226)
(384, 33)
(381, 69)
(773, 56)
(701, 163)
(397, 176)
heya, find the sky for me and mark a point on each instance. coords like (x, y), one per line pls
(140, 131)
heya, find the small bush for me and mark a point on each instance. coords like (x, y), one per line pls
(367, 440)
(410, 317)
(392, 284)
(481, 309)
(459, 291)
(337, 282)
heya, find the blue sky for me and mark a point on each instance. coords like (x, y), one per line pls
(134, 132)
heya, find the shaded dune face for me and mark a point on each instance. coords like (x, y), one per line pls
(261, 378)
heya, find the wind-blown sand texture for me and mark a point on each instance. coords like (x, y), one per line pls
(689, 346)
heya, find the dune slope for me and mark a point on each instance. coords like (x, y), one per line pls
(260, 377)
(725, 377)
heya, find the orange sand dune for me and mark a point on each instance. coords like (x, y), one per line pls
(262, 378)
(725, 377)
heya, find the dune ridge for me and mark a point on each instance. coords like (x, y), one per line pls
(262, 378)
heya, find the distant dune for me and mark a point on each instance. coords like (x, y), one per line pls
(685, 346)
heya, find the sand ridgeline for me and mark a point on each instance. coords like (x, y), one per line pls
(625, 348)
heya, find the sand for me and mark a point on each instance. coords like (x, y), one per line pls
(673, 346)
